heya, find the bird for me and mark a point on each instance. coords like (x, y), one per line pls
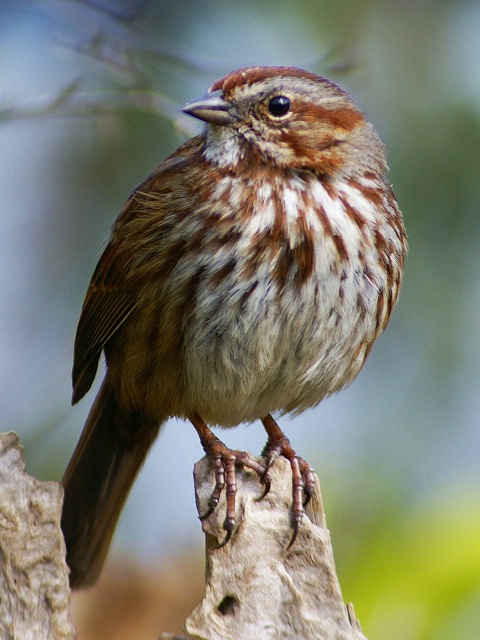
(247, 276)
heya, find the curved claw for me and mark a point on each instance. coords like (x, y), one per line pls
(296, 527)
(308, 497)
(267, 483)
(226, 539)
(208, 512)
(309, 478)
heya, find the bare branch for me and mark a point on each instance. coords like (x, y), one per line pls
(68, 103)
(33, 574)
(255, 586)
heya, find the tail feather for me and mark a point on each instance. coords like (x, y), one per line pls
(98, 479)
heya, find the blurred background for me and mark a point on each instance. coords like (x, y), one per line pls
(89, 93)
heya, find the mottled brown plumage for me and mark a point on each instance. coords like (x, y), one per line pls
(250, 273)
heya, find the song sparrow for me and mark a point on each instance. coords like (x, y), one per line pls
(250, 273)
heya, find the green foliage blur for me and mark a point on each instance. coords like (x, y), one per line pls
(398, 452)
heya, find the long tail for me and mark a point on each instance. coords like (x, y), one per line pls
(98, 479)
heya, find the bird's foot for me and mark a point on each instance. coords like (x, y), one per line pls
(303, 478)
(225, 461)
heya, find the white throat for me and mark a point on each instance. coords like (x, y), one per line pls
(222, 148)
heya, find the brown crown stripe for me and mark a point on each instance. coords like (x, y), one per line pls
(250, 75)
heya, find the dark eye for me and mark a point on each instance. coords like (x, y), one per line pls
(279, 106)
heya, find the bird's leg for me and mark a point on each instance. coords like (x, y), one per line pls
(224, 462)
(303, 479)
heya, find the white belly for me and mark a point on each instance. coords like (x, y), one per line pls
(277, 351)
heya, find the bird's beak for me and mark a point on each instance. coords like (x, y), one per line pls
(211, 108)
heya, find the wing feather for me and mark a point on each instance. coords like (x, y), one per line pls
(110, 298)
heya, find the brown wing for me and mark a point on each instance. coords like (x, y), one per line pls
(109, 301)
